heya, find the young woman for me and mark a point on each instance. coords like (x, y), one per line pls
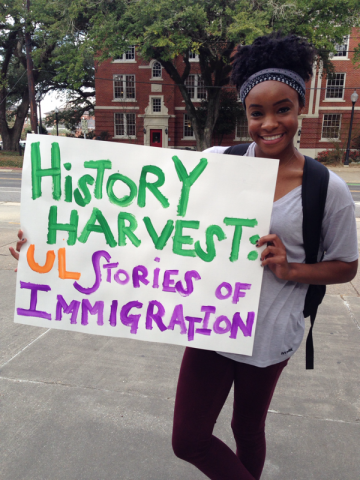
(271, 75)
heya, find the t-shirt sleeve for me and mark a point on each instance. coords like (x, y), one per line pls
(215, 149)
(339, 234)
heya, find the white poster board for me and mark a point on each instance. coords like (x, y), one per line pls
(141, 242)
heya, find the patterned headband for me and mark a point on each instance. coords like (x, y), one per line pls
(278, 74)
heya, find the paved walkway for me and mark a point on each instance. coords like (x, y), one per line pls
(80, 407)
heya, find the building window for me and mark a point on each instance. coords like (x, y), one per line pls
(335, 86)
(124, 86)
(342, 49)
(156, 105)
(128, 55)
(193, 57)
(188, 130)
(242, 130)
(156, 70)
(195, 87)
(125, 125)
(331, 126)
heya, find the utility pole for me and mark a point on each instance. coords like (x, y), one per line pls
(30, 72)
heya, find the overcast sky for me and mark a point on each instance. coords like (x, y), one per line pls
(50, 102)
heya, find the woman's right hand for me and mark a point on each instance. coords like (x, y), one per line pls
(19, 244)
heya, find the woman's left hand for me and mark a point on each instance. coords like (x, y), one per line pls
(322, 273)
(274, 256)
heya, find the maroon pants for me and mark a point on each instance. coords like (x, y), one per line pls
(204, 384)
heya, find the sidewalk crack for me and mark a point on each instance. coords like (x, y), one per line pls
(23, 349)
(356, 290)
(351, 313)
(334, 420)
(85, 387)
(6, 244)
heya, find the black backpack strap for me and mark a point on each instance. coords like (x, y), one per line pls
(240, 149)
(314, 192)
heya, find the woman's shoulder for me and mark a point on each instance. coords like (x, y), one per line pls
(338, 195)
(337, 186)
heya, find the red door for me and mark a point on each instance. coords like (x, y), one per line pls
(155, 138)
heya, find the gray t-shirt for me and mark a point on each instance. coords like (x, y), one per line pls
(280, 323)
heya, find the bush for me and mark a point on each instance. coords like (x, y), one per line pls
(337, 155)
(334, 155)
(105, 135)
(330, 156)
(354, 156)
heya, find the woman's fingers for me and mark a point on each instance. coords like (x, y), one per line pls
(14, 253)
(272, 251)
(274, 255)
(269, 250)
(271, 239)
(266, 239)
(275, 260)
(21, 241)
(19, 244)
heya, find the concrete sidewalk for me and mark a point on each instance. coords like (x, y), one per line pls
(77, 406)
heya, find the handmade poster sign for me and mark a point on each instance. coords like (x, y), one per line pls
(144, 243)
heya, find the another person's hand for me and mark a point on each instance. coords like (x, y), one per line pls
(19, 244)
(274, 256)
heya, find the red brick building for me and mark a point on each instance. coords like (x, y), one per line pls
(328, 103)
(137, 102)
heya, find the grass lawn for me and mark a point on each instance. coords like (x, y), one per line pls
(10, 159)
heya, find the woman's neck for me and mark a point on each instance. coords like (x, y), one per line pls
(286, 157)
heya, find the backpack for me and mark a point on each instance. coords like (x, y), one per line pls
(314, 192)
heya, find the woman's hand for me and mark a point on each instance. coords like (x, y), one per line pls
(19, 244)
(274, 256)
(321, 273)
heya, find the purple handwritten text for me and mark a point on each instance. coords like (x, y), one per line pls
(130, 320)
(32, 312)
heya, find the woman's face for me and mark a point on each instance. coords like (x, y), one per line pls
(272, 110)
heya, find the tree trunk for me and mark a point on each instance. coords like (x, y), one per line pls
(30, 75)
(11, 139)
(11, 136)
(202, 135)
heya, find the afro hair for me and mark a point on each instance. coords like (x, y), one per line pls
(273, 51)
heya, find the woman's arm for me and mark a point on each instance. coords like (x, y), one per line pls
(322, 273)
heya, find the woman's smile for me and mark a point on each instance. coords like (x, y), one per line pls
(271, 139)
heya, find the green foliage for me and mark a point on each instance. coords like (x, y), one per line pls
(54, 41)
(173, 27)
